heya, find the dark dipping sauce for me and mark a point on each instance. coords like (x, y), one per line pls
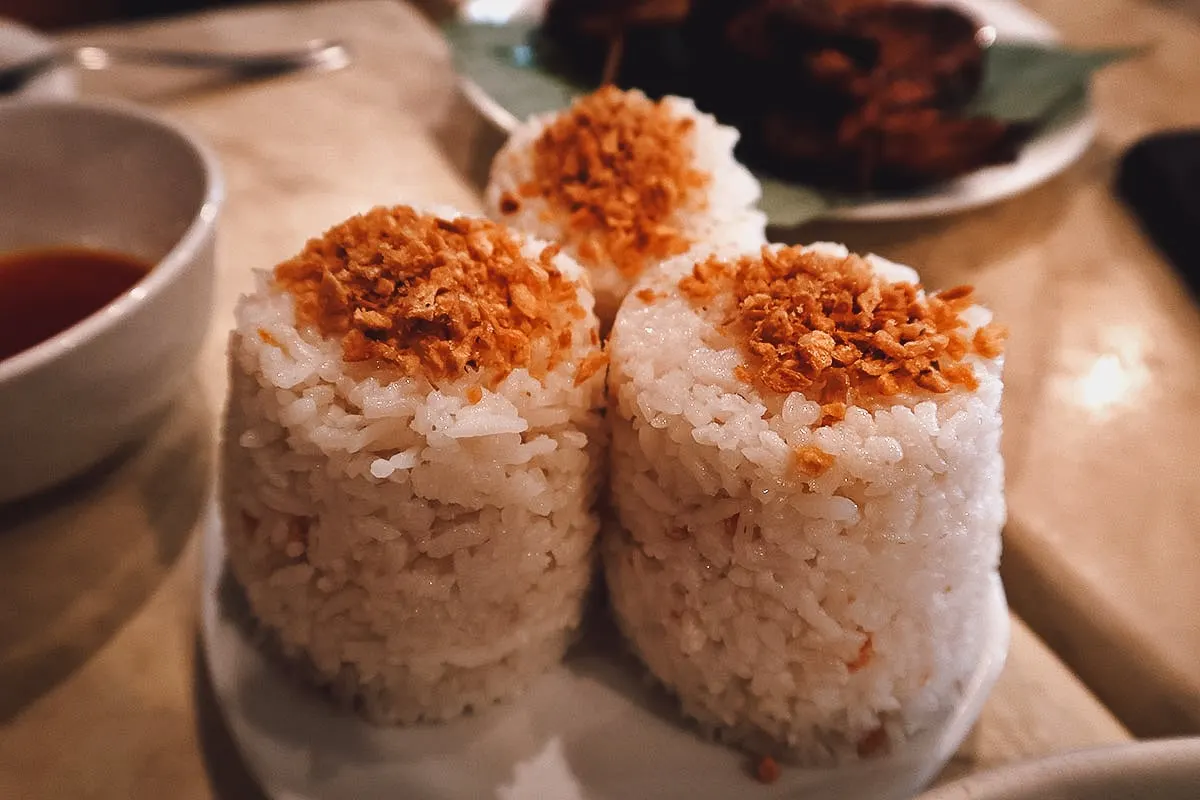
(43, 292)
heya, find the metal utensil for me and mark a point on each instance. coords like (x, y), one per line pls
(319, 54)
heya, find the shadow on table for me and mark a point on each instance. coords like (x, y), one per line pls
(77, 561)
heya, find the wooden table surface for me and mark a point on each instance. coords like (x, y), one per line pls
(101, 692)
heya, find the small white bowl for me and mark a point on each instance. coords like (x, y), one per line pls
(110, 177)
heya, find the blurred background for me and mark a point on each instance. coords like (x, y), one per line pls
(54, 14)
(58, 14)
(50, 14)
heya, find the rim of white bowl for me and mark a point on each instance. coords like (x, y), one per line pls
(1091, 767)
(163, 271)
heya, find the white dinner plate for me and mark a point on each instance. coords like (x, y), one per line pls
(18, 43)
(591, 729)
(1168, 769)
(1044, 156)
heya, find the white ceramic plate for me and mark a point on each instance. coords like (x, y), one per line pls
(1163, 770)
(1043, 157)
(18, 43)
(589, 730)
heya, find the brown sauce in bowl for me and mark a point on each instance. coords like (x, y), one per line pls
(45, 291)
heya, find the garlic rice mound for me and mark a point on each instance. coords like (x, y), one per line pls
(808, 485)
(623, 183)
(411, 457)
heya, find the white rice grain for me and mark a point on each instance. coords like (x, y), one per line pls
(422, 555)
(796, 616)
(727, 214)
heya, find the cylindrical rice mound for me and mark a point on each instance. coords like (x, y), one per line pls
(420, 545)
(809, 588)
(614, 169)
